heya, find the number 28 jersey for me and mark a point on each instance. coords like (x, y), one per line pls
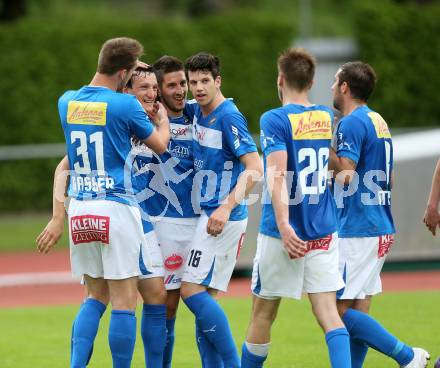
(98, 124)
(305, 134)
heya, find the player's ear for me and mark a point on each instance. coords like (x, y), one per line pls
(280, 80)
(218, 81)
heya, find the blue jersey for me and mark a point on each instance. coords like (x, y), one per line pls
(164, 182)
(305, 134)
(364, 137)
(98, 124)
(219, 140)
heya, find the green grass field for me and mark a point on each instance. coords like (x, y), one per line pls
(39, 337)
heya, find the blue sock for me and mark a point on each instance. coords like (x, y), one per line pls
(364, 328)
(84, 331)
(122, 337)
(214, 326)
(358, 350)
(209, 356)
(154, 333)
(249, 360)
(338, 343)
(168, 352)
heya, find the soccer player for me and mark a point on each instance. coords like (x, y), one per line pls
(432, 214)
(364, 158)
(104, 222)
(170, 177)
(297, 243)
(227, 167)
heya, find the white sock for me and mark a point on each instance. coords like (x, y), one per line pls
(258, 349)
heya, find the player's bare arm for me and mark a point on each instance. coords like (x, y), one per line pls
(55, 227)
(343, 166)
(432, 215)
(276, 181)
(253, 171)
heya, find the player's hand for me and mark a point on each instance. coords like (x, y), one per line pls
(158, 113)
(431, 219)
(295, 247)
(218, 220)
(141, 64)
(50, 235)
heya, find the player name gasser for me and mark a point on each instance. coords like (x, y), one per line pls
(91, 183)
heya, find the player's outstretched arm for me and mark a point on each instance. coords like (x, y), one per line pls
(158, 140)
(54, 229)
(432, 215)
(253, 171)
(276, 163)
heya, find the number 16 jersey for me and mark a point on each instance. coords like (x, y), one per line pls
(305, 134)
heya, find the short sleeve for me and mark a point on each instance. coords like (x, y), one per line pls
(236, 135)
(139, 123)
(350, 135)
(272, 134)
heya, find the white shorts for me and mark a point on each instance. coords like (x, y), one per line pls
(175, 240)
(275, 275)
(150, 259)
(360, 263)
(211, 260)
(105, 239)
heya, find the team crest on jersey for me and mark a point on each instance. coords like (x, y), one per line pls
(380, 125)
(90, 229)
(86, 113)
(385, 244)
(311, 125)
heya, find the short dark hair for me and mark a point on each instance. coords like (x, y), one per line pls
(166, 64)
(298, 68)
(117, 54)
(203, 61)
(140, 70)
(360, 77)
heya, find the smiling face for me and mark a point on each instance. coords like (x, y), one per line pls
(203, 86)
(144, 87)
(173, 91)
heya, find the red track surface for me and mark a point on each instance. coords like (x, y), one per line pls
(39, 293)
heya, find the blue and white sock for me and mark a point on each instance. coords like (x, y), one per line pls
(214, 325)
(168, 352)
(84, 329)
(154, 333)
(338, 343)
(364, 328)
(253, 355)
(122, 337)
(208, 354)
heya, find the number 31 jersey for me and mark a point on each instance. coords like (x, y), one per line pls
(305, 134)
(98, 124)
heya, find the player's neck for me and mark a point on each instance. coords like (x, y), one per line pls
(102, 80)
(351, 105)
(174, 114)
(295, 97)
(216, 101)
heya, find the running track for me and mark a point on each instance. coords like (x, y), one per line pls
(29, 279)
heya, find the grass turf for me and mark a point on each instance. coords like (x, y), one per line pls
(19, 232)
(39, 337)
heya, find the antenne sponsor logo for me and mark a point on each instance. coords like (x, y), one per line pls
(89, 229)
(381, 127)
(177, 132)
(88, 113)
(173, 262)
(311, 125)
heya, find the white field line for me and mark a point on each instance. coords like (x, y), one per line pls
(37, 278)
